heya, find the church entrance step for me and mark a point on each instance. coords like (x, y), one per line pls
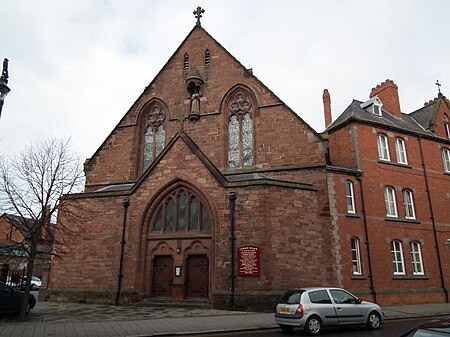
(191, 303)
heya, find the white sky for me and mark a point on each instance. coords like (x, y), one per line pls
(76, 67)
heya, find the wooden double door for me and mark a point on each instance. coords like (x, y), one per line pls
(196, 277)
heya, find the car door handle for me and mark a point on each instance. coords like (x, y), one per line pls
(339, 308)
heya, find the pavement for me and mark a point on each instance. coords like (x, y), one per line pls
(56, 319)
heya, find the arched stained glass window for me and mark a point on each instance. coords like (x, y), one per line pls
(193, 213)
(155, 134)
(233, 142)
(169, 215)
(240, 130)
(181, 211)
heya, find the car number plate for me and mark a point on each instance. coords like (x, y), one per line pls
(285, 310)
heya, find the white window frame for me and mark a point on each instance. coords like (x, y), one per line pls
(383, 147)
(397, 257)
(416, 258)
(446, 159)
(400, 149)
(349, 197)
(356, 256)
(376, 109)
(390, 202)
(408, 202)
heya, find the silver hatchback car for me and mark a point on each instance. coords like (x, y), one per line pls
(314, 308)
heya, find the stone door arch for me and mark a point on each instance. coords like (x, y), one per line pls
(179, 229)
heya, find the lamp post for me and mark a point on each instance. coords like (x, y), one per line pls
(4, 89)
(125, 204)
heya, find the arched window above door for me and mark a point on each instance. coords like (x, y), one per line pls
(181, 211)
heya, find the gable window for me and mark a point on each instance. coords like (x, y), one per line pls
(356, 260)
(390, 202)
(186, 62)
(383, 147)
(446, 126)
(207, 58)
(240, 130)
(397, 257)
(446, 159)
(400, 149)
(349, 197)
(416, 258)
(181, 211)
(408, 202)
(155, 134)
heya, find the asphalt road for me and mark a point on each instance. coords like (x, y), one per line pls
(394, 328)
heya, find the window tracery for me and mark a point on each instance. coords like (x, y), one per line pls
(181, 211)
(155, 134)
(240, 130)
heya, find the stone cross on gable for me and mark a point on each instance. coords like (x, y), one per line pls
(181, 119)
(198, 14)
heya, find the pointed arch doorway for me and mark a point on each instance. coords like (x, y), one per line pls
(178, 244)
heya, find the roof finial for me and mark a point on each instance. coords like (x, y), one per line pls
(439, 88)
(4, 76)
(198, 14)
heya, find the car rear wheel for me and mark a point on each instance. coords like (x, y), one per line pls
(28, 309)
(374, 320)
(286, 328)
(313, 326)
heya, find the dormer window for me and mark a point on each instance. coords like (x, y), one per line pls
(373, 105)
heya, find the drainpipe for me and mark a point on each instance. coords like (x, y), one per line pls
(125, 203)
(366, 241)
(430, 204)
(232, 204)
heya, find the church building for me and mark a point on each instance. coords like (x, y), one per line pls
(211, 189)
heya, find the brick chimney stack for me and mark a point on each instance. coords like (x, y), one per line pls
(388, 93)
(327, 107)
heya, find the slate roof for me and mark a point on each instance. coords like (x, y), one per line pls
(18, 222)
(416, 122)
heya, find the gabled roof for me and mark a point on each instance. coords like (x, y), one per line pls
(354, 112)
(249, 73)
(427, 115)
(22, 224)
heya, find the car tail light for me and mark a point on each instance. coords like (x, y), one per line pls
(299, 311)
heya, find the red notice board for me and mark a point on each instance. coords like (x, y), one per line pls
(248, 261)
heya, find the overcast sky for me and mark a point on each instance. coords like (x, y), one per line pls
(76, 67)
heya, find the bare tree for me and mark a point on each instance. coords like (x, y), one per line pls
(31, 186)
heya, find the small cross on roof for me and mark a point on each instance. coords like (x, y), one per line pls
(198, 14)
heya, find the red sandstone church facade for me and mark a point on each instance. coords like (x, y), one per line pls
(224, 194)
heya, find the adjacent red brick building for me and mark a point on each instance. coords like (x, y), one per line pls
(223, 193)
(393, 170)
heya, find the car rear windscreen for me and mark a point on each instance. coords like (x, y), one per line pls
(291, 296)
